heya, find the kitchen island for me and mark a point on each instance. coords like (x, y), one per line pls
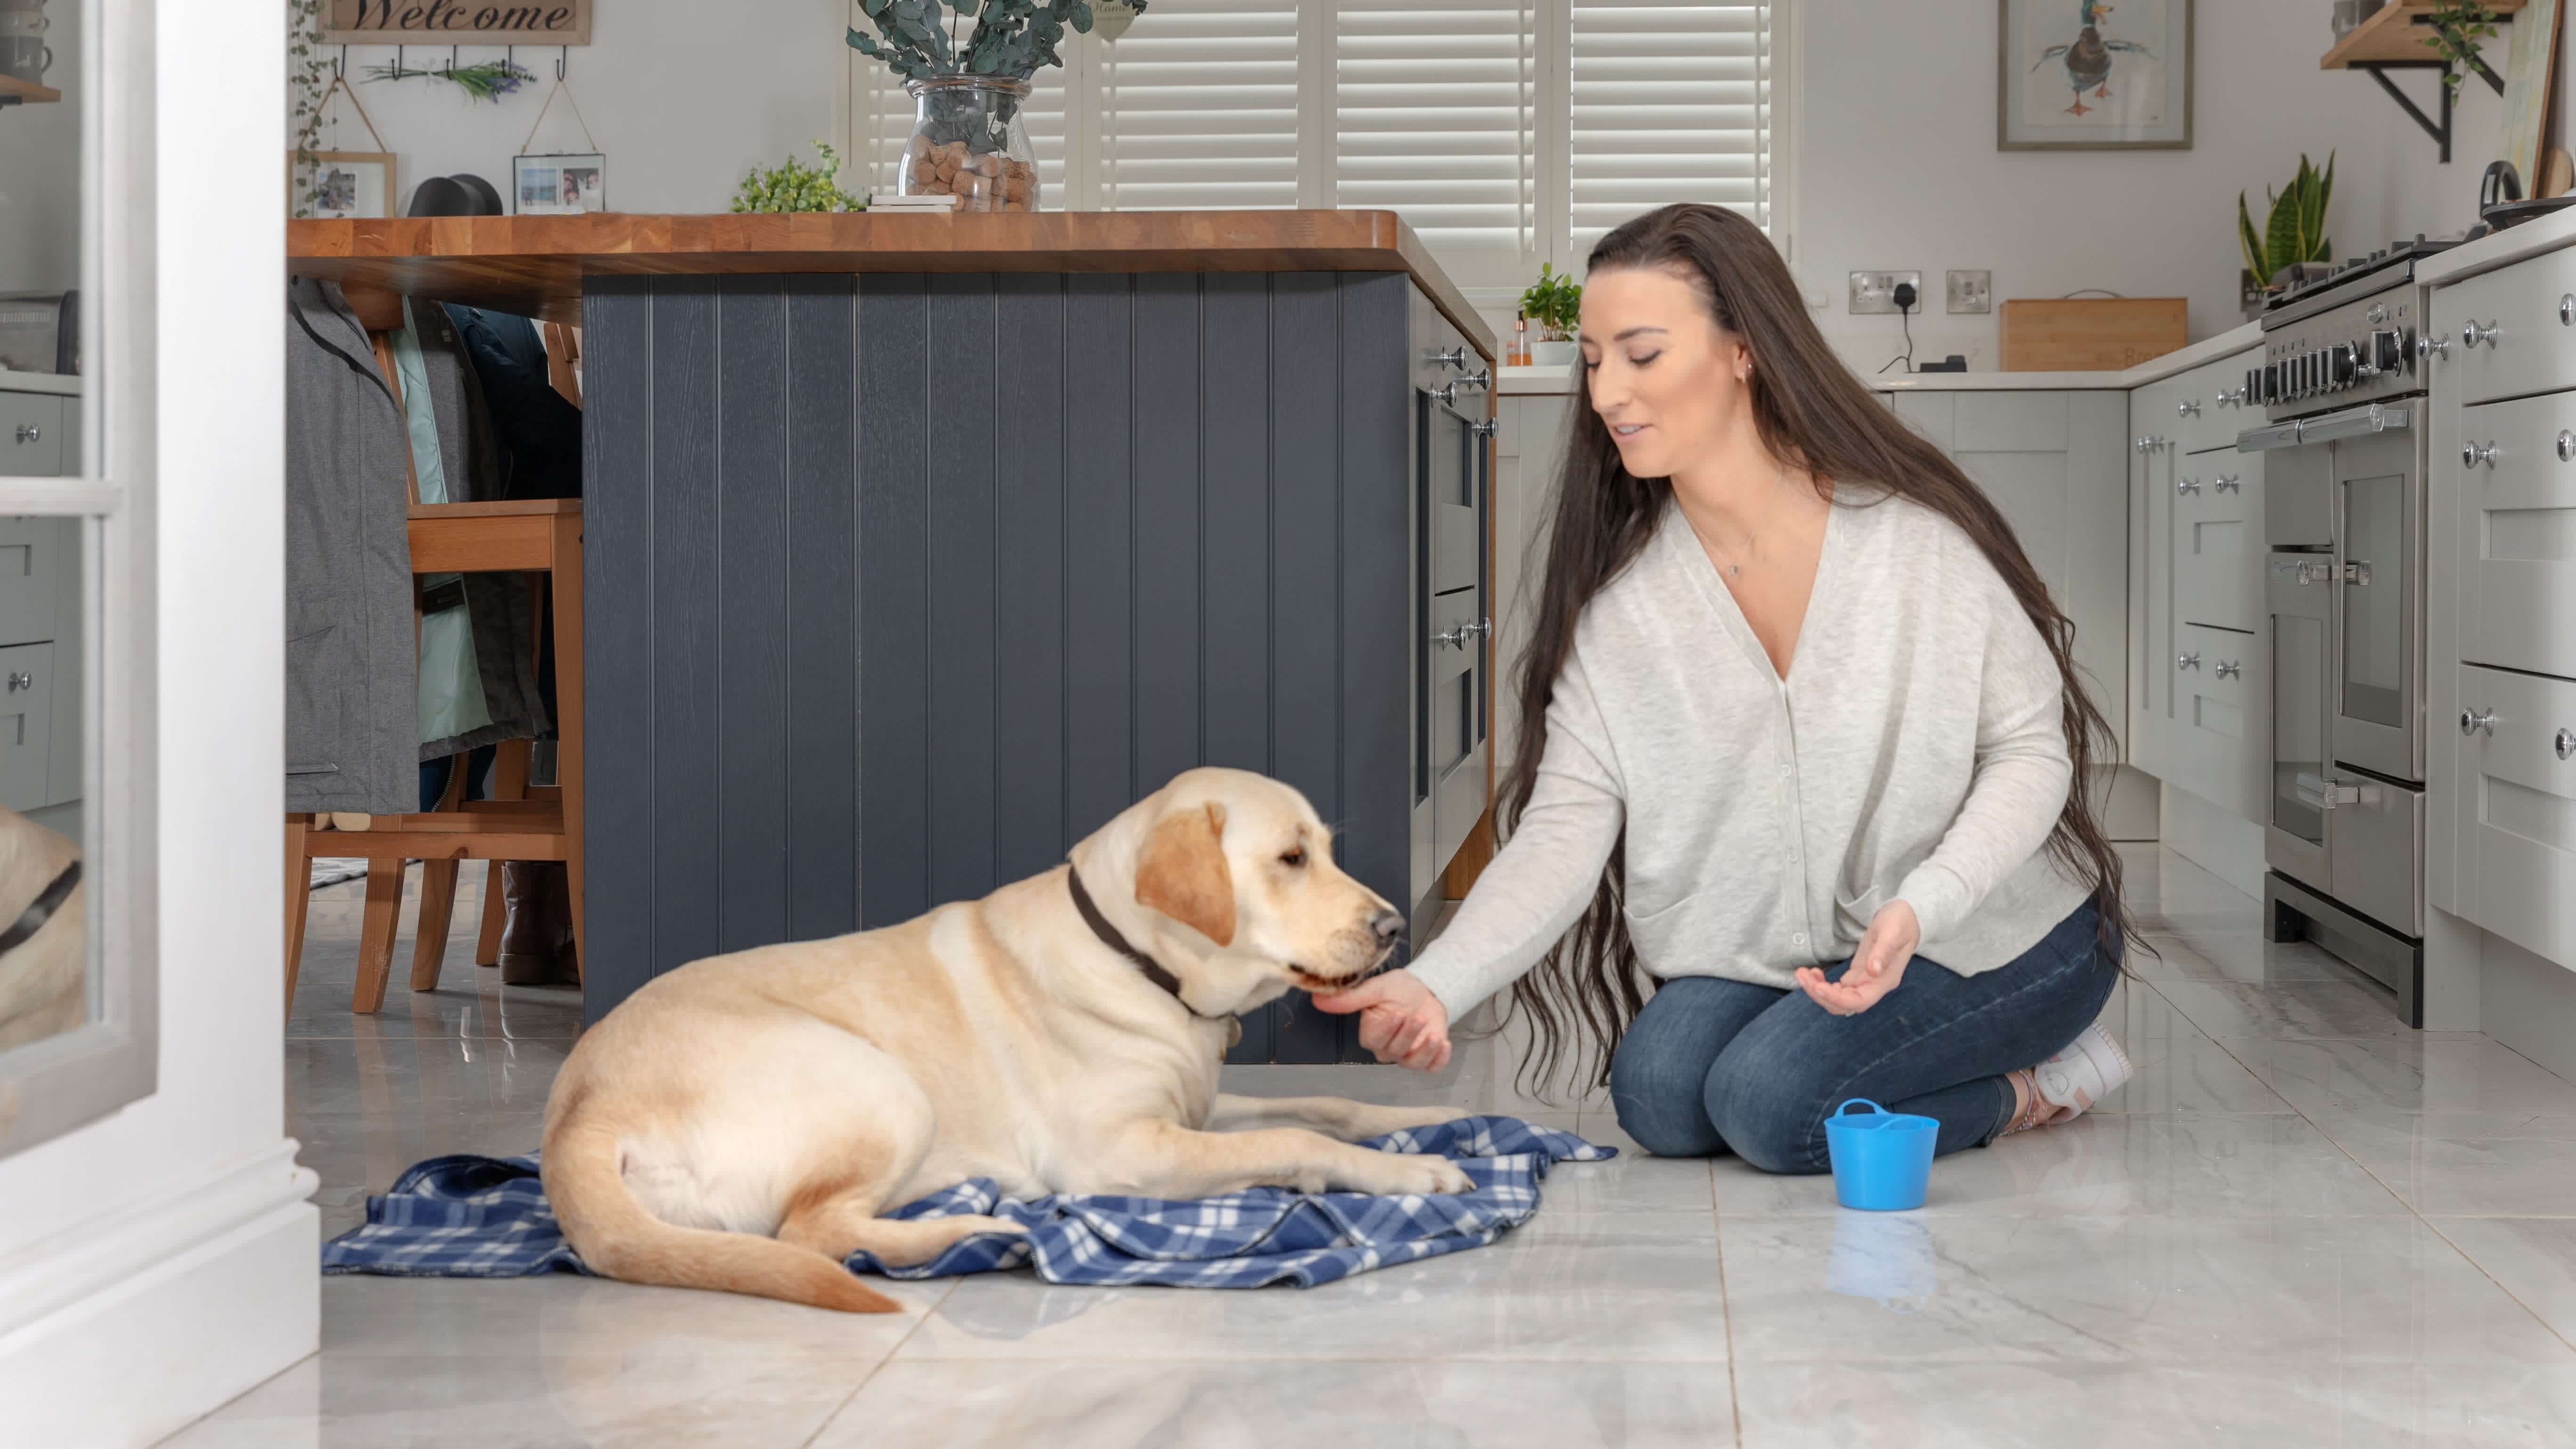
(916, 547)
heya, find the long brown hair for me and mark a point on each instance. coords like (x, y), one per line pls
(1808, 409)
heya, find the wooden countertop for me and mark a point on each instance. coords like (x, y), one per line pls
(534, 265)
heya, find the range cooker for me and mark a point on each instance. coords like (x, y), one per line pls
(2342, 387)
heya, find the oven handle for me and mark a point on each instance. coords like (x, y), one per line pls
(2323, 792)
(2350, 423)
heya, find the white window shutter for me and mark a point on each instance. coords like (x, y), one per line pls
(1433, 117)
(1198, 108)
(1670, 102)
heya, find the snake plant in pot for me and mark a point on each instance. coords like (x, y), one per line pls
(2294, 230)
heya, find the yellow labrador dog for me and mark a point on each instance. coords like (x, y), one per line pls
(740, 1122)
(44, 949)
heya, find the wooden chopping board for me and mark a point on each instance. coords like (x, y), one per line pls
(2089, 334)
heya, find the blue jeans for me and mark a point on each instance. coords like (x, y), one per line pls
(1712, 1065)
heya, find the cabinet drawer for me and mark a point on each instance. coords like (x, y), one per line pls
(32, 552)
(26, 725)
(2517, 523)
(2222, 717)
(31, 434)
(2516, 836)
(2533, 343)
(2199, 409)
(2218, 538)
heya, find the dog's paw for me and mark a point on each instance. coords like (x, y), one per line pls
(1404, 1172)
(1411, 1117)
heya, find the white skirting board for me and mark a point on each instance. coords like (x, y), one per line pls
(2228, 846)
(149, 1320)
(2528, 1003)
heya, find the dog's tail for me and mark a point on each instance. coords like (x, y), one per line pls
(616, 1236)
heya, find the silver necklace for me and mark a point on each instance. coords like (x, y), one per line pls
(1752, 538)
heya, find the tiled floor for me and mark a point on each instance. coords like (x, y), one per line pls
(2301, 1225)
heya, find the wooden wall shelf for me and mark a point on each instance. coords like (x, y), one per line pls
(16, 92)
(2400, 34)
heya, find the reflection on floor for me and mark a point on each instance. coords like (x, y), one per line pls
(2301, 1225)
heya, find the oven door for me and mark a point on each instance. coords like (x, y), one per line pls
(2299, 614)
(2379, 542)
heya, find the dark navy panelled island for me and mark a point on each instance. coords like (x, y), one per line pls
(916, 547)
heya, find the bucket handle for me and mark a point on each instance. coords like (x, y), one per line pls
(1860, 1102)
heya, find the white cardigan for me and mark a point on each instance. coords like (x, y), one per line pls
(1915, 752)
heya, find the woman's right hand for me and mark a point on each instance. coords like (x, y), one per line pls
(1400, 1020)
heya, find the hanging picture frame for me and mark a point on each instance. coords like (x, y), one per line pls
(558, 183)
(349, 183)
(2073, 76)
(343, 183)
(561, 183)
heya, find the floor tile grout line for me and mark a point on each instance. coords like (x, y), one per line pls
(2385, 1186)
(1725, 1306)
(871, 1375)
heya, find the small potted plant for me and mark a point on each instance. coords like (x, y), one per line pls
(796, 186)
(1555, 303)
(2294, 230)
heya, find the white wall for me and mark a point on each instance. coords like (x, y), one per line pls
(1898, 168)
(162, 1260)
(683, 100)
(39, 172)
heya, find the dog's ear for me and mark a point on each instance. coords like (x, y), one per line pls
(1183, 874)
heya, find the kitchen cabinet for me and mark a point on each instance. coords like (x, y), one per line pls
(40, 620)
(2196, 586)
(2500, 617)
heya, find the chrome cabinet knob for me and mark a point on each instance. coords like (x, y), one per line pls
(2566, 446)
(2473, 333)
(1457, 638)
(2228, 483)
(2429, 347)
(2188, 407)
(2477, 722)
(2186, 661)
(2231, 397)
(2186, 485)
(2567, 309)
(30, 432)
(2471, 455)
(20, 679)
(1454, 357)
(1487, 428)
(2565, 744)
(2148, 444)
(2230, 668)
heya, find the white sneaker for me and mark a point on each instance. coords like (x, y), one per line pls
(2085, 1071)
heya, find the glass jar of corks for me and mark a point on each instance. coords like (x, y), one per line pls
(969, 141)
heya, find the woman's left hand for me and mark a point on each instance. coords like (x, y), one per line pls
(1877, 963)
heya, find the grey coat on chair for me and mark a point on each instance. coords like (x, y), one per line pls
(352, 706)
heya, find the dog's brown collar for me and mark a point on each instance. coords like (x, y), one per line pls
(1109, 937)
(41, 910)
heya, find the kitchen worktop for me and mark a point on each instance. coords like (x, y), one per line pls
(2541, 234)
(1541, 380)
(60, 384)
(535, 265)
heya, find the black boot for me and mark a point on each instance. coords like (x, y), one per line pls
(536, 938)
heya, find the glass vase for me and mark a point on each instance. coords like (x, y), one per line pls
(969, 141)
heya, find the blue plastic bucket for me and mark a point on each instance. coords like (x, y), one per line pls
(1882, 1160)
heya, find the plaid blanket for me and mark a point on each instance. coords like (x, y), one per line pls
(487, 1217)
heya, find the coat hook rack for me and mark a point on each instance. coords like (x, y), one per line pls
(562, 53)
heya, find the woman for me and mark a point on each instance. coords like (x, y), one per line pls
(1797, 710)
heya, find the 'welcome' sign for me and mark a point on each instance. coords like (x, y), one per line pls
(458, 22)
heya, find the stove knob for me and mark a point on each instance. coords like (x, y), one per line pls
(2388, 351)
(2341, 368)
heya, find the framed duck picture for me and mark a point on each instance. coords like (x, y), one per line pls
(2094, 75)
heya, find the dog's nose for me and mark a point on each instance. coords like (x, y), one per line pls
(1389, 926)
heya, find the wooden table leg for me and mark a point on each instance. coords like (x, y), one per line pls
(299, 896)
(376, 932)
(437, 908)
(565, 576)
(509, 782)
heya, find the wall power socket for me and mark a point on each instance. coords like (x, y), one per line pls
(1875, 292)
(1971, 291)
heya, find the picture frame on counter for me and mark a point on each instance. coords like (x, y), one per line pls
(2087, 75)
(345, 183)
(559, 183)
